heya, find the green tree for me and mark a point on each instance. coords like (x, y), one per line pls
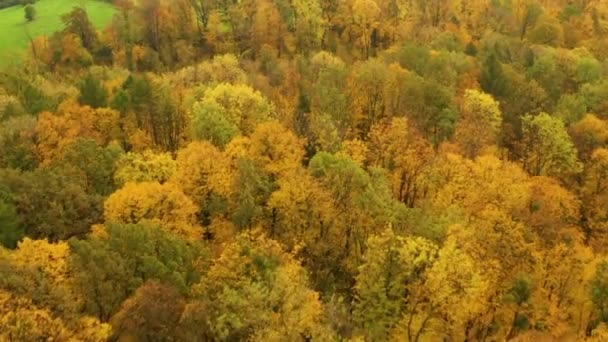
(96, 164)
(92, 92)
(52, 203)
(111, 265)
(392, 268)
(257, 291)
(599, 291)
(547, 31)
(10, 229)
(30, 12)
(547, 147)
(227, 110)
(492, 78)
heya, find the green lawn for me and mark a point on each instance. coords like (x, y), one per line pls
(13, 26)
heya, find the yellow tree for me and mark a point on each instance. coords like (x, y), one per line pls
(43, 302)
(310, 24)
(479, 124)
(277, 149)
(399, 149)
(553, 212)
(202, 169)
(459, 292)
(144, 167)
(589, 134)
(365, 91)
(267, 26)
(362, 19)
(56, 131)
(388, 284)
(151, 202)
(300, 211)
(561, 298)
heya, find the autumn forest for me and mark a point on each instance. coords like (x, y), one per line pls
(307, 170)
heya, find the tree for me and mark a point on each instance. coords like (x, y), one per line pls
(547, 31)
(479, 124)
(599, 291)
(365, 89)
(77, 23)
(30, 12)
(159, 204)
(531, 13)
(362, 19)
(10, 229)
(17, 148)
(92, 92)
(203, 172)
(110, 266)
(310, 25)
(144, 167)
(54, 132)
(361, 204)
(153, 311)
(547, 147)
(492, 78)
(589, 134)
(96, 164)
(257, 291)
(22, 320)
(228, 110)
(392, 269)
(52, 203)
(398, 148)
(553, 211)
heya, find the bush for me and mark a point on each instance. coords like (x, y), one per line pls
(30, 12)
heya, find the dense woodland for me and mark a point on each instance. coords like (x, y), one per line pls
(309, 170)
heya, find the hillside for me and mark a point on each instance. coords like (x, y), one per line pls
(14, 28)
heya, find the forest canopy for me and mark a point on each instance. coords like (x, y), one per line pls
(308, 170)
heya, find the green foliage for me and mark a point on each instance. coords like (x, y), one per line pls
(547, 31)
(548, 149)
(30, 12)
(227, 110)
(14, 45)
(253, 282)
(110, 268)
(52, 203)
(492, 77)
(10, 229)
(77, 22)
(599, 291)
(92, 92)
(31, 97)
(392, 266)
(97, 164)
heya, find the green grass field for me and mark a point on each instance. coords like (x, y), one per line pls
(13, 26)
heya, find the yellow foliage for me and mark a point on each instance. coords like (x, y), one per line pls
(201, 170)
(56, 131)
(144, 167)
(151, 202)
